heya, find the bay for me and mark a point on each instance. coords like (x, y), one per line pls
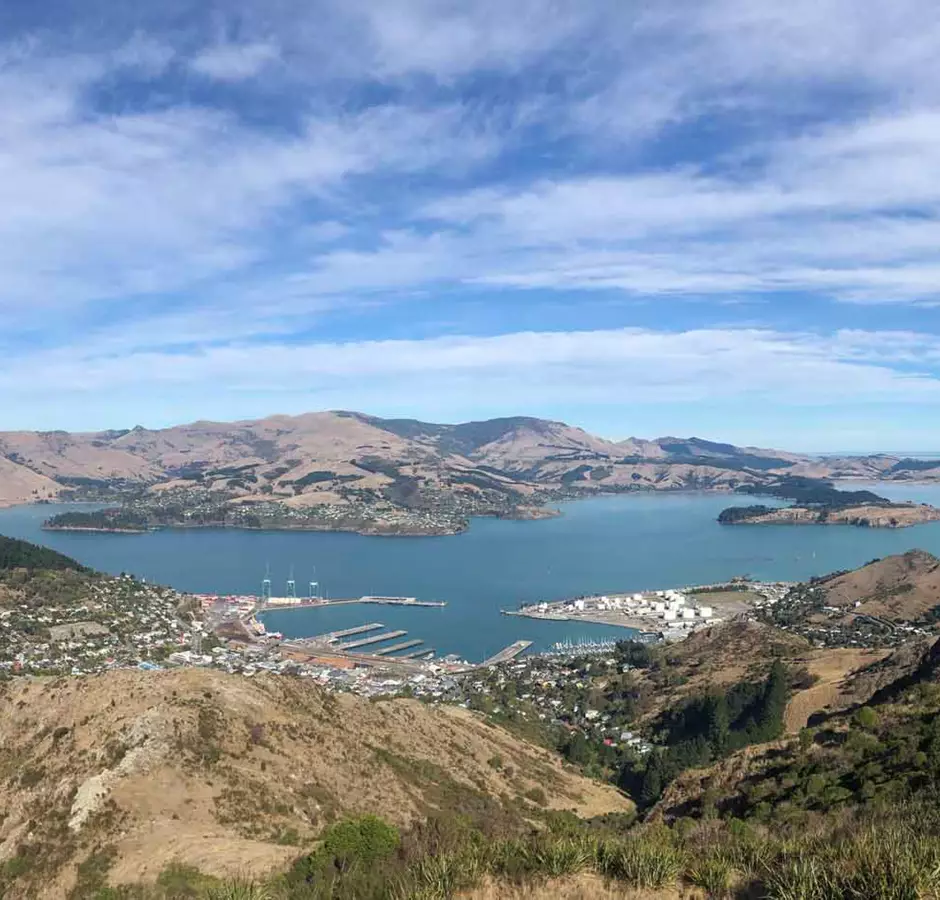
(619, 543)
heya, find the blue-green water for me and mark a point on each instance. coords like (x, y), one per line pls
(621, 543)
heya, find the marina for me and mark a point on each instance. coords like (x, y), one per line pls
(349, 632)
(424, 653)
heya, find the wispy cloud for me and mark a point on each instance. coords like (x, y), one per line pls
(515, 370)
(183, 192)
(234, 62)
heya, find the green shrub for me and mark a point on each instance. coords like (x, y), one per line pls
(865, 717)
(181, 881)
(802, 877)
(364, 840)
(439, 877)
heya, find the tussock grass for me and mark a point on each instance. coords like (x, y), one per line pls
(240, 889)
(894, 855)
(715, 875)
(642, 862)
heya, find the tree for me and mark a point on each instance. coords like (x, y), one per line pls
(362, 841)
(577, 750)
(654, 779)
(16, 554)
(719, 723)
(773, 703)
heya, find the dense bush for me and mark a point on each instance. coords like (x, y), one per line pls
(708, 728)
(16, 554)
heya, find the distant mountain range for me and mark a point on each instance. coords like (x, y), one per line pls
(337, 460)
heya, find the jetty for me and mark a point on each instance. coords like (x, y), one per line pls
(423, 653)
(282, 603)
(374, 639)
(403, 601)
(348, 632)
(402, 645)
(507, 653)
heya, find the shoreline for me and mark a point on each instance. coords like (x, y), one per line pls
(529, 513)
(637, 624)
(885, 516)
(221, 526)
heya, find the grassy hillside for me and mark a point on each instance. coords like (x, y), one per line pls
(195, 784)
(234, 775)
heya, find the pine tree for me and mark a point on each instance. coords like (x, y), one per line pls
(773, 703)
(719, 724)
(654, 780)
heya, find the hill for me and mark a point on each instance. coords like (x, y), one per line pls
(739, 651)
(881, 750)
(235, 775)
(900, 588)
(344, 470)
(16, 554)
(884, 603)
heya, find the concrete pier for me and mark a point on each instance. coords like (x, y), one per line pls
(404, 645)
(349, 632)
(423, 653)
(375, 639)
(507, 653)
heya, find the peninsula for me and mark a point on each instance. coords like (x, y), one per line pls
(821, 503)
(347, 471)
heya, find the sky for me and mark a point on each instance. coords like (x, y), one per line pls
(716, 217)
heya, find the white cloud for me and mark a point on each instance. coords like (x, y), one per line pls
(341, 154)
(235, 62)
(851, 211)
(105, 206)
(597, 366)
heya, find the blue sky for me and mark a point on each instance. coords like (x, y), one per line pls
(716, 217)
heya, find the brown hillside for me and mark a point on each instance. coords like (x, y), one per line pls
(743, 650)
(292, 459)
(213, 770)
(726, 653)
(900, 588)
(19, 484)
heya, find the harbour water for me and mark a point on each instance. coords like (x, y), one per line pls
(623, 543)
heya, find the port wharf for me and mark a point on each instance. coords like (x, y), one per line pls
(366, 648)
(308, 603)
(672, 614)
